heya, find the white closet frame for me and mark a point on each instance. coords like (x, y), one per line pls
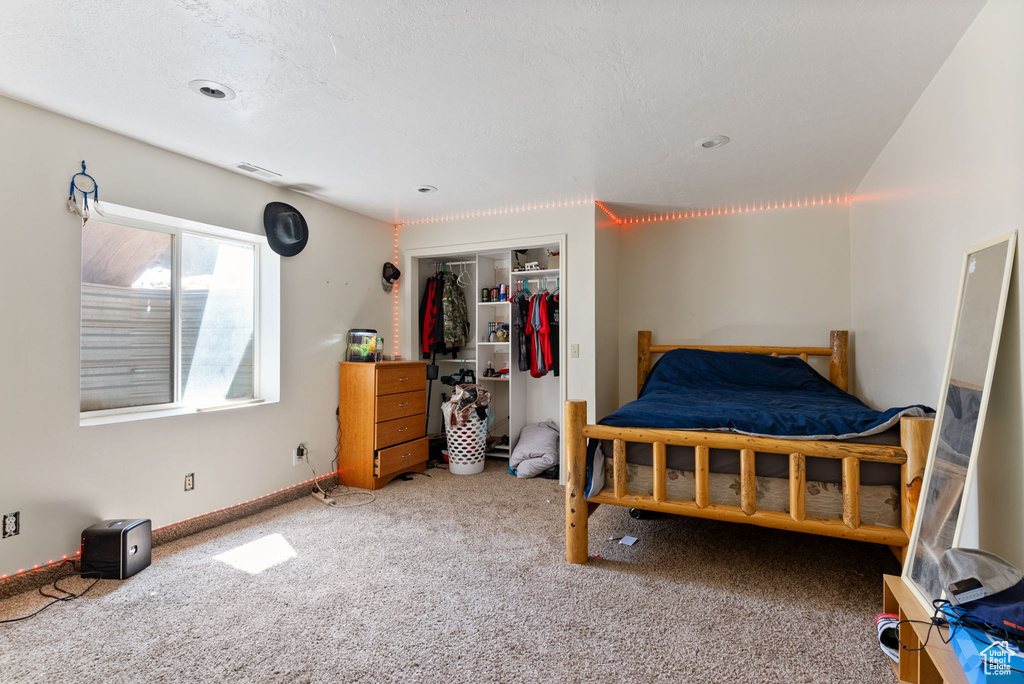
(414, 261)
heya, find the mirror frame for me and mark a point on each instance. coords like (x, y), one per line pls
(922, 509)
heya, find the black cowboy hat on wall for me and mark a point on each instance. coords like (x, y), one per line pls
(287, 232)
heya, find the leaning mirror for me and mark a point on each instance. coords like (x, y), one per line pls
(984, 282)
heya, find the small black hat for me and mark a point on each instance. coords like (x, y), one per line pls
(286, 229)
(389, 276)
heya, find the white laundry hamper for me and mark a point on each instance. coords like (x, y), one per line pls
(467, 445)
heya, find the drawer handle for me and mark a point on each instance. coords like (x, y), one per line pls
(402, 429)
(402, 379)
(405, 404)
(407, 456)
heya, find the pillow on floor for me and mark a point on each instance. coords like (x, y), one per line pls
(536, 451)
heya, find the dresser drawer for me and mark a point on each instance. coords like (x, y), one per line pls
(401, 379)
(400, 457)
(401, 430)
(391, 406)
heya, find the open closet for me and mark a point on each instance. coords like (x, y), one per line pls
(522, 367)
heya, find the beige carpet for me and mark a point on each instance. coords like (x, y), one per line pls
(462, 579)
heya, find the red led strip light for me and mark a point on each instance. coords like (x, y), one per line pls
(606, 210)
(750, 207)
(838, 198)
(510, 209)
(249, 501)
(50, 563)
(37, 567)
(394, 348)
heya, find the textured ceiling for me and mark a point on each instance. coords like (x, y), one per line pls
(497, 103)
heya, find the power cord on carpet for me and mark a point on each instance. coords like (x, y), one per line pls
(67, 595)
(330, 496)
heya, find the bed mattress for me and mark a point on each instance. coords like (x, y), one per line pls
(880, 482)
(771, 465)
(879, 504)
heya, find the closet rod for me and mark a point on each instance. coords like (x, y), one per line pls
(457, 263)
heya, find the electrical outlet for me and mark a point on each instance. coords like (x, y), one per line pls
(190, 482)
(12, 524)
(300, 454)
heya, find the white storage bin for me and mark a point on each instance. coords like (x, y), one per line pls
(467, 445)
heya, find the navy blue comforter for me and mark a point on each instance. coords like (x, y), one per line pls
(751, 394)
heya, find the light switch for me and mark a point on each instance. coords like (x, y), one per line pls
(574, 351)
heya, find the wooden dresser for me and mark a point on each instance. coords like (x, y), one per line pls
(382, 412)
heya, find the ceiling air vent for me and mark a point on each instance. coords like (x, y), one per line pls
(257, 171)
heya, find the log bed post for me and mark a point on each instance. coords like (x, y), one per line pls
(797, 487)
(658, 454)
(576, 509)
(701, 473)
(643, 359)
(851, 492)
(916, 439)
(748, 482)
(619, 467)
(838, 363)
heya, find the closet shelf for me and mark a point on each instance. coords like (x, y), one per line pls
(499, 450)
(533, 274)
(492, 303)
(493, 344)
(484, 377)
(455, 361)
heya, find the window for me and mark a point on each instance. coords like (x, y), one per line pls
(173, 316)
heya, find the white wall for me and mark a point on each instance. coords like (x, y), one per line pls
(952, 176)
(775, 277)
(578, 300)
(63, 477)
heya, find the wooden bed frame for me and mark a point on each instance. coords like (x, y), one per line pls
(915, 437)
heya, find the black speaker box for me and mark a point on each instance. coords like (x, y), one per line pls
(116, 549)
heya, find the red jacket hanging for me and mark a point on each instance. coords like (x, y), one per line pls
(540, 339)
(430, 315)
(545, 331)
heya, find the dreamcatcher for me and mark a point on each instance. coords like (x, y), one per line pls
(86, 185)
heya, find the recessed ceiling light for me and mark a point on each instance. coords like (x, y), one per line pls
(212, 89)
(712, 142)
(426, 188)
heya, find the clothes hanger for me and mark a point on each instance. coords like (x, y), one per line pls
(463, 276)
